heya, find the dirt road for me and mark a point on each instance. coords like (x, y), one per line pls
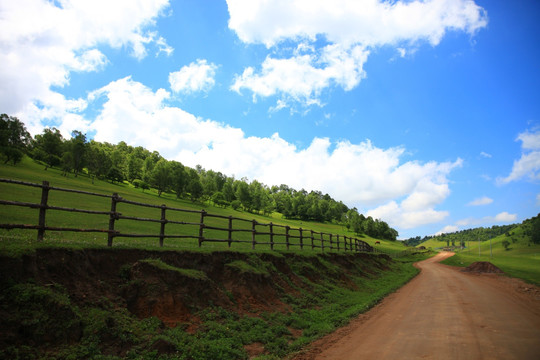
(443, 314)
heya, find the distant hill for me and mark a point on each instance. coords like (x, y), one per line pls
(528, 231)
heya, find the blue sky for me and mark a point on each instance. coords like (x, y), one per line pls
(422, 113)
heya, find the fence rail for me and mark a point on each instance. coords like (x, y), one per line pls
(261, 233)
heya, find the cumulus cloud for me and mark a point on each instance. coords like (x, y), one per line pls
(195, 77)
(481, 201)
(42, 42)
(361, 175)
(528, 165)
(349, 28)
(447, 230)
(303, 77)
(503, 217)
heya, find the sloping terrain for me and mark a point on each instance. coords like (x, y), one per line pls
(64, 303)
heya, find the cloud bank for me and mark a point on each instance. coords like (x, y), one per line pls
(404, 193)
(42, 42)
(528, 165)
(333, 39)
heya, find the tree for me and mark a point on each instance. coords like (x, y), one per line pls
(194, 186)
(179, 178)
(242, 194)
(76, 147)
(161, 176)
(506, 244)
(14, 139)
(134, 167)
(47, 147)
(98, 161)
(535, 236)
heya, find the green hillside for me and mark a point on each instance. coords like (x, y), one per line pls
(520, 258)
(513, 248)
(30, 171)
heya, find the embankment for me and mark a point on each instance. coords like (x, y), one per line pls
(65, 303)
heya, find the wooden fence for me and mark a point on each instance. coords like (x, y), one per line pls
(261, 233)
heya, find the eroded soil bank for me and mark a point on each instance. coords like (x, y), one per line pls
(150, 304)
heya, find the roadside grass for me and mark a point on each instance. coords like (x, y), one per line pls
(521, 260)
(18, 240)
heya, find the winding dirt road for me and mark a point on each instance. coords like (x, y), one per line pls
(443, 314)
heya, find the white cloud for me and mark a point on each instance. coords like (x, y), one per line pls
(42, 42)
(368, 22)
(481, 201)
(485, 155)
(503, 217)
(538, 200)
(303, 77)
(350, 28)
(447, 230)
(529, 164)
(361, 175)
(194, 77)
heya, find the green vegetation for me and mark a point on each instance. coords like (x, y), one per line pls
(190, 273)
(57, 317)
(519, 258)
(143, 169)
(56, 324)
(31, 171)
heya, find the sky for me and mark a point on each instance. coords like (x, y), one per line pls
(424, 114)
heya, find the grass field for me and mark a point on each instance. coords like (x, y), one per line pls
(30, 171)
(521, 260)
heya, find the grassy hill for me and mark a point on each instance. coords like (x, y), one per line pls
(31, 171)
(71, 297)
(521, 258)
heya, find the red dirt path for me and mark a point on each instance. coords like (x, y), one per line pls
(443, 314)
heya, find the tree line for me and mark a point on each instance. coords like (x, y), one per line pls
(529, 228)
(145, 169)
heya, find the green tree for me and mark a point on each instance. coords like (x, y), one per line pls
(242, 194)
(14, 139)
(535, 229)
(47, 147)
(194, 186)
(179, 178)
(161, 176)
(76, 147)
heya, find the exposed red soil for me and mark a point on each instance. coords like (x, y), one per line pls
(483, 267)
(123, 279)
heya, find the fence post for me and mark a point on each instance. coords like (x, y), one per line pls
(229, 239)
(301, 239)
(271, 236)
(201, 228)
(322, 242)
(312, 241)
(287, 228)
(112, 219)
(253, 242)
(162, 228)
(331, 246)
(43, 210)
(337, 242)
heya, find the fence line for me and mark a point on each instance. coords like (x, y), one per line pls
(305, 237)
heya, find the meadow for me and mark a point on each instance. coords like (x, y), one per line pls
(521, 259)
(31, 171)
